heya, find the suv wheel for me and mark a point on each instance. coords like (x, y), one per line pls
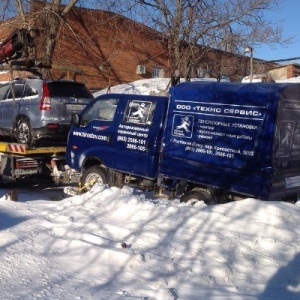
(23, 132)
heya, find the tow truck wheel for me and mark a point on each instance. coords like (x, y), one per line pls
(91, 176)
(23, 132)
(196, 195)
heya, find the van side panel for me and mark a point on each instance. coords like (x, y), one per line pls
(221, 134)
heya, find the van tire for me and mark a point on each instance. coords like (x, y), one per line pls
(23, 132)
(91, 176)
(197, 195)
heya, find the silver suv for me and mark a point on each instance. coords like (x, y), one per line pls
(36, 111)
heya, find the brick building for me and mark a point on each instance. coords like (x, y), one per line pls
(103, 49)
(285, 71)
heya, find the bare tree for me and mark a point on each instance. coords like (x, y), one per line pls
(190, 27)
(193, 27)
(51, 18)
(49, 15)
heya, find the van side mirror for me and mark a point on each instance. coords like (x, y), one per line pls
(75, 119)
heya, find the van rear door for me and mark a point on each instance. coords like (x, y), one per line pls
(286, 150)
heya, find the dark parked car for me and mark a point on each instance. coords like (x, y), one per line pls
(34, 110)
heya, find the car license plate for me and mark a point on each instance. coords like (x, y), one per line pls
(25, 171)
(75, 107)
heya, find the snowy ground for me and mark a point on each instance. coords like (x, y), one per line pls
(72, 248)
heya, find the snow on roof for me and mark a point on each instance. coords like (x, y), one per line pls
(258, 78)
(145, 86)
(293, 79)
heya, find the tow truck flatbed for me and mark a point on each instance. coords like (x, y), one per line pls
(20, 161)
(21, 149)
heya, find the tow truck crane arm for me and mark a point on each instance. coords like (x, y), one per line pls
(17, 44)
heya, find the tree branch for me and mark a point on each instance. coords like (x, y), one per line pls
(69, 6)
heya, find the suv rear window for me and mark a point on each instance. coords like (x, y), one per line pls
(68, 89)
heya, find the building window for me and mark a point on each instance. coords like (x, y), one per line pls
(157, 72)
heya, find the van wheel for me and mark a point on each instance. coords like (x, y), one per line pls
(23, 132)
(91, 176)
(196, 195)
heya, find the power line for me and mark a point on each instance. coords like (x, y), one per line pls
(286, 59)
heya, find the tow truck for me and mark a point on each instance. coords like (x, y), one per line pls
(17, 44)
(20, 161)
(17, 161)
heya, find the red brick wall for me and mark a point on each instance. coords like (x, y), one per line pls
(110, 48)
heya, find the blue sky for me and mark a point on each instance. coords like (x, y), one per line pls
(290, 17)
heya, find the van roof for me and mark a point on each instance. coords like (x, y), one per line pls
(257, 93)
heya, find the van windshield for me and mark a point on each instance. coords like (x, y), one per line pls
(102, 110)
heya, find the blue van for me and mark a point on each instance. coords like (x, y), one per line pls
(208, 141)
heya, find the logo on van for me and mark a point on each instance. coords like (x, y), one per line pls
(139, 112)
(285, 138)
(183, 125)
(100, 128)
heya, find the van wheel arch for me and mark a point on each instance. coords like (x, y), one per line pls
(89, 162)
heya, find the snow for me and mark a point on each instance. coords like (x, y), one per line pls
(146, 86)
(292, 80)
(112, 243)
(161, 85)
(72, 248)
(141, 87)
(257, 78)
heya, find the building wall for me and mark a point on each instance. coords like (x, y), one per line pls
(293, 71)
(105, 47)
(285, 72)
(279, 73)
(109, 52)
